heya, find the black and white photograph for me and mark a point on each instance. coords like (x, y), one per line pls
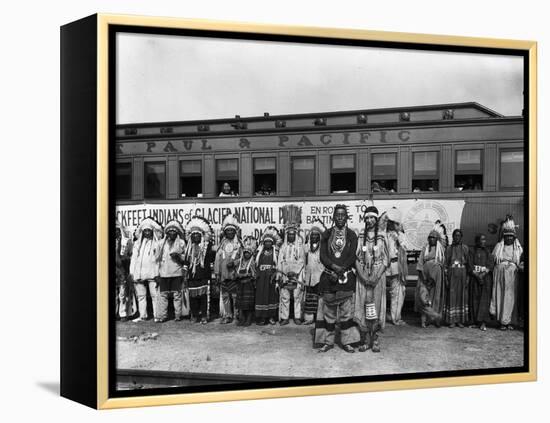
(292, 210)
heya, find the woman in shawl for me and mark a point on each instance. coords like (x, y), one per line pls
(429, 297)
(267, 297)
(481, 283)
(457, 265)
(245, 268)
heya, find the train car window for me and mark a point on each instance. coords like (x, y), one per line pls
(303, 176)
(384, 172)
(123, 181)
(468, 170)
(155, 180)
(511, 169)
(265, 176)
(190, 178)
(342, 173)
(425, 171)
(227, 177)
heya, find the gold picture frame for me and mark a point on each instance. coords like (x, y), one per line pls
(100, 359)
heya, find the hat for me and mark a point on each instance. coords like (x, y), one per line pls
(271, 233)
(440, 232)
(250, 244)
(149, 223)
(394, 215)
(200, 225)
(292, 217)
(230, 221)
(174, 225)
(371, 211)
(508, 227)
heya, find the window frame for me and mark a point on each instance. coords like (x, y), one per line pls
(130, 163)
(182, 159)
(263, 172)
(437, 173)
(384, 177)
(509, 149)
(304, 155)
(155, 160)
(469, 172)
(348, 170)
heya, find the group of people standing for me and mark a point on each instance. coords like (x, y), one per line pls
(332, 278)
(461, 286)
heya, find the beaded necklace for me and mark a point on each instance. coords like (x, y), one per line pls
(338, 241)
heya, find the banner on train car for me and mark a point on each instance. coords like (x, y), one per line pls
(418, 216)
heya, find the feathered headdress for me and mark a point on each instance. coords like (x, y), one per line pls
(230, 221)
(250, 244)
(382, 223)
(394, 215)
(149, 223)
(439, 231)
(508, 227)
(175, 226)
(271, 233)
(200, 225)
(292, 217)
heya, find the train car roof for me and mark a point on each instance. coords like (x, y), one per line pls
(389, 117)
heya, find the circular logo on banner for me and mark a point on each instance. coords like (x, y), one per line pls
(420, 219)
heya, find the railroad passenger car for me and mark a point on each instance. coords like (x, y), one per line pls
(461, 163)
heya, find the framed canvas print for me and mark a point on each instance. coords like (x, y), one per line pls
(255, 211)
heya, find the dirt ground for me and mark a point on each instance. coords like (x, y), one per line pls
(287, 351)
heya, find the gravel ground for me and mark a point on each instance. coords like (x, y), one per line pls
(287, 351)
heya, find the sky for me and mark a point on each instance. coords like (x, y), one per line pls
(175, 78)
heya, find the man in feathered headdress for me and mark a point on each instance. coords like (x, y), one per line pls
(171, 269)
(125, 302)
(397, 267)
(290, 266)
(370, 291)
(337, 284)
(144, 268)
(196, 265)
(267, 298)
(507, 258)
(313, 270)
(430, 285)
(229, 250)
